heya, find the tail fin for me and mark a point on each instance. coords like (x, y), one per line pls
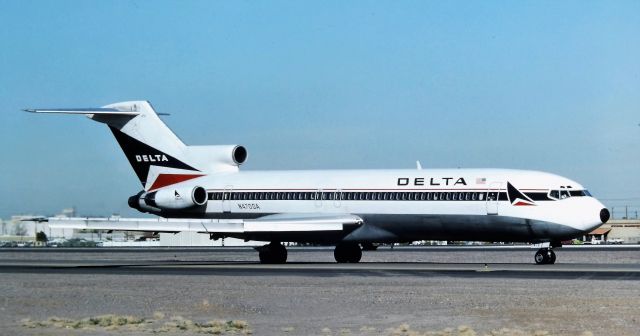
(158, 157)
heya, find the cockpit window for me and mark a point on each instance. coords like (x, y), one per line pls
(566, 193)
(579, 193)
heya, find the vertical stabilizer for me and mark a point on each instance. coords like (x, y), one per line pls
(158, 157)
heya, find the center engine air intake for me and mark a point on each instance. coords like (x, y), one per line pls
(239, 155)
(217, 158)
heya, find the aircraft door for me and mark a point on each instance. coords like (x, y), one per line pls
(337, 198)
(493, 194)
(318, 198)
(226, 199)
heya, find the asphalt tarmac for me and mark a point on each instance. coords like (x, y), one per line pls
(384, 263)
(589, 290)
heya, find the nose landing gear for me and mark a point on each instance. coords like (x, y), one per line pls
(545, 256)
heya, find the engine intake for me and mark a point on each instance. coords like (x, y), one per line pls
(239, 155)
(217, 158)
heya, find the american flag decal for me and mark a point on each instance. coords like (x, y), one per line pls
(481, 180)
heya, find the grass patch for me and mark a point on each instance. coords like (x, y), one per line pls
(157, 324)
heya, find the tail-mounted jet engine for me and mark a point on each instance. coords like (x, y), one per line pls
(217, 158)
(169, 199)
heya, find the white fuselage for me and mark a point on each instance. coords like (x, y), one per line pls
(453, 204)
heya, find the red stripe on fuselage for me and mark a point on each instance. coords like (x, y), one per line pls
(164, 180)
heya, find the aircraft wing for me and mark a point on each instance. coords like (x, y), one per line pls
(279, 223)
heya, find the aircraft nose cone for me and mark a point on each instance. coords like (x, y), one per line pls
(604, 215)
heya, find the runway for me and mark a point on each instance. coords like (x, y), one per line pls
(183, 261)
(428, 288)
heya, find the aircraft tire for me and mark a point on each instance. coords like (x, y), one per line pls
(544, 256)
(347, 253)
(552, 257)
(274, 253)
(265, 257)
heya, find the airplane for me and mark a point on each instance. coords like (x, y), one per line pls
(201, 189)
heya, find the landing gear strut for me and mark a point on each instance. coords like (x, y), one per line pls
(545, 256)
(273, 253)
(347, 253)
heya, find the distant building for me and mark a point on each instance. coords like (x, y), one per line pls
(20, 226)
(627, 230)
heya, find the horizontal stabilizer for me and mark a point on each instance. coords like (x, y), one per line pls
(271, 223)
(90, 110)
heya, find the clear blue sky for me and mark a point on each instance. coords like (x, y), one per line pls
(544, 85)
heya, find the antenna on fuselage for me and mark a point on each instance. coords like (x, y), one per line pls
(418, 165)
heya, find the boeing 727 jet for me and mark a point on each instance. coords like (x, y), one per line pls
(201, 189)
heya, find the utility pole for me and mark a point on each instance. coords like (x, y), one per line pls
(626, 212)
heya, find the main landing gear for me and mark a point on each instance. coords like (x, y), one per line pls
(273, 253)
(347, 253)
(276, 253)
(545, 256)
